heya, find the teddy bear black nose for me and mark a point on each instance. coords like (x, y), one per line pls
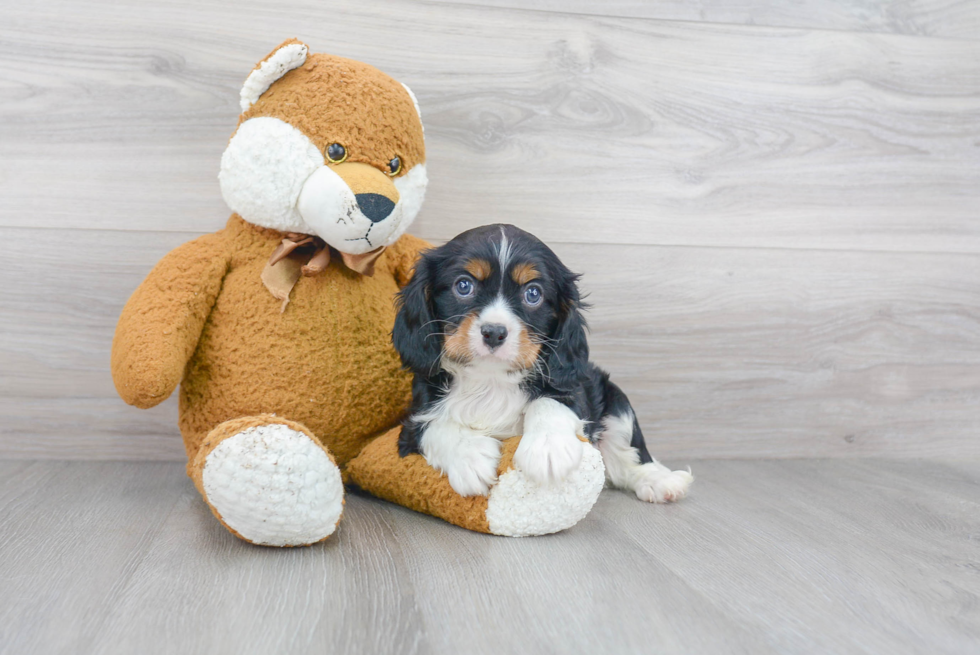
(374, 205)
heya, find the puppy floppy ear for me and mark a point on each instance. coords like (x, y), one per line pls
(568, 360)
(416, 334)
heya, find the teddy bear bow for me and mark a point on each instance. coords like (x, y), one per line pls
(286, 264)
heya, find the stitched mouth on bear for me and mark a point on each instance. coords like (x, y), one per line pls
(366, 236)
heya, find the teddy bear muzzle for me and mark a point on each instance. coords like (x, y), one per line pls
(375, 192)
(353, 206)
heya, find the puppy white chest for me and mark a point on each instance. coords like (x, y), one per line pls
(486, 398)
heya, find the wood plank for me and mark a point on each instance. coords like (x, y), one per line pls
(724, 352)
(587, 129)
(88, 428)
(824, 556)
(763, 557)
(71, 536)
(350, 593)
(587, 590)
(913, 17)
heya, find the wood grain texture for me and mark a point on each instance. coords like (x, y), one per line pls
(584, 128)
(957, 19)
(724, 352)
(765, 557)
(754, 205)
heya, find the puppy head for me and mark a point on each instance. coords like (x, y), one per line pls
(494, 294)
(326, 146)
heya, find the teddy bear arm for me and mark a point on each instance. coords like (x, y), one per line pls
(404, 254)
(161, 322)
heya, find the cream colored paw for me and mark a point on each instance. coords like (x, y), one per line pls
(521, 507)
(550, 457)
(657, 485)
(550, 448)
(274, 486)
(467, 459)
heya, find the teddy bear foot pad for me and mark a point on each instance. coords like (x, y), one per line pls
(271, 484)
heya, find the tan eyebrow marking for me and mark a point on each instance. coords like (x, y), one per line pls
(478, 268)
(524, 273)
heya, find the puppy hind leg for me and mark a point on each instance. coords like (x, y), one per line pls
(629, 465)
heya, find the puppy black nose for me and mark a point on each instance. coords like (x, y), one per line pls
(494, 335)
(374, 205)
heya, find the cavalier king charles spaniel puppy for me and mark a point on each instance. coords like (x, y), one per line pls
(491, 326)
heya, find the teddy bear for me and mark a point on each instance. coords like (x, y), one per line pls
(277, 328)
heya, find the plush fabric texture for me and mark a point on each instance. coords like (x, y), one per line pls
(302, 500)
(286, 57)
(263, 171)
(519, 507)
(373, 133)
(516, 507)
(311, 382)
(411, 482)
(161, 323)
(327, 361)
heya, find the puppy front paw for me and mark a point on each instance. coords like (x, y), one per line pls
(471, 465)
(550, 457)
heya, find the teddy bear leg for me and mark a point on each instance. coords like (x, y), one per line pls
(515, 506)
(269, 481)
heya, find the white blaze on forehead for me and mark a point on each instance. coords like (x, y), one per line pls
(503, 252)
(278, 64)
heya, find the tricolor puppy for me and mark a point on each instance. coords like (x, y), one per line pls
(491, 326)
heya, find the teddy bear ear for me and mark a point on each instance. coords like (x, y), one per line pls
(290, 54)
(415, 101)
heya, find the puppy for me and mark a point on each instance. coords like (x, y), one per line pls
(491, 326)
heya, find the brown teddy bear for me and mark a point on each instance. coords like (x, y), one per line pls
(278, 327)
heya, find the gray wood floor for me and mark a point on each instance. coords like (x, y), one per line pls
(790, 556)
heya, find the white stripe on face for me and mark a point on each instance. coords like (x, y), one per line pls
(503, 253)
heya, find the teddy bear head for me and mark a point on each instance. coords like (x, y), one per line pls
(326, 146)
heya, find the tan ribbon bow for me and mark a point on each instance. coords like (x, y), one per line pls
(305, 255)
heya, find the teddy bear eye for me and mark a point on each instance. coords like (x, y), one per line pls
(336, 153)
(395, 166)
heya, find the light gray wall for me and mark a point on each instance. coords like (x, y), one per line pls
(775, 207)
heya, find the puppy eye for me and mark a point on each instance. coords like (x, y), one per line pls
(394, 166)
(463, 287)
(532, 295)
(336, 153)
